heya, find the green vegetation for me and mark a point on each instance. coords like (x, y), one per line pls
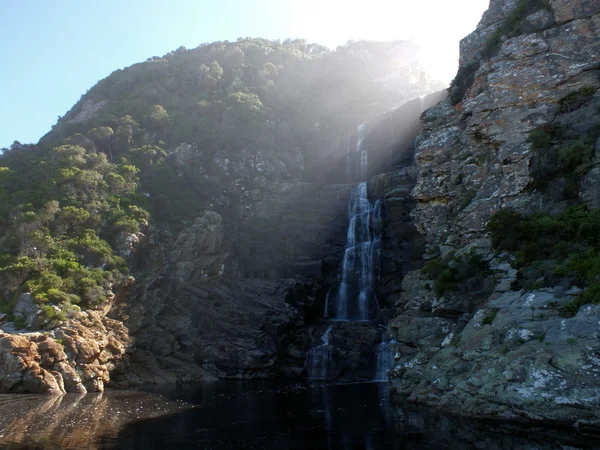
(575, 100)
(167, 139)
(463, 81)
(469, 196)
(55, 231)
(457, 273)
(540, 139)
(559, 248)
(455, 341)
(555, 156)
(540, 337)
(512, 26)
(487, 320)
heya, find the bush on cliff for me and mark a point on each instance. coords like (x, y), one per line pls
(556, 156)
(457, 272)
(569, 241)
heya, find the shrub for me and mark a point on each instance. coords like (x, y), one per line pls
(576, 99)
(487, 320)
(455, 341)
(456, 272)
(433, 268)
(49, 314)
(20, 323)
(566, 242)
(512, 25)
(445, 282)
(463, 81)
(469, 196)
(574, 154)
(540, 139)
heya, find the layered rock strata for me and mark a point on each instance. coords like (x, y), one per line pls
(488, 350)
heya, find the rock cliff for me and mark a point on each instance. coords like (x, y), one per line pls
(472, 336)
(237, 288)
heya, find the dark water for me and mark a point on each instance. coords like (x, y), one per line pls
(255, 415)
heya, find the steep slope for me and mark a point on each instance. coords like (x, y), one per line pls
(503, 320)
(183, 221)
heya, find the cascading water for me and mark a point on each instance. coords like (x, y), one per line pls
(326, 314)
(355, 299)
(319, 358)
(348, 160)
(356, 296)
(362, 160)
(357, 164)
(385, 360)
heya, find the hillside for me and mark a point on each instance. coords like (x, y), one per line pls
(164, 149)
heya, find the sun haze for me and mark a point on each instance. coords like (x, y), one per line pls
(67, 46)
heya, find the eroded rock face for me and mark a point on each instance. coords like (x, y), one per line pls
(510, 354)
(88, 110)
(476, 158)
(226, 295)
(76, 357)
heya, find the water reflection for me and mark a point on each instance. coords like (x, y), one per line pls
(264, 415)
(74, 421)
(255, 415)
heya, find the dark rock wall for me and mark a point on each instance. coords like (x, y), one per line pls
(487, 350)
(240, 293)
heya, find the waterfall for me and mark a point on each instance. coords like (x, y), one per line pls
(319, 358)
(363, 156)
(357, 164)
(364, 164)
(356, 298)
(348, 160)
(326, 309)
(385, 360)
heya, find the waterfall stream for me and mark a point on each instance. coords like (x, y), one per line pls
(363, 158)
(357, 163)
(385, 360)
(319, 358)
(356, 296)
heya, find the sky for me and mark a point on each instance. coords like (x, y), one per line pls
(53, 51)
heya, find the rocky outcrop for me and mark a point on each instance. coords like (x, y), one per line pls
(76, 357)
(88, 111)
(484, 349)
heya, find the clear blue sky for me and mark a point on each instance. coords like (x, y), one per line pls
(53, 51)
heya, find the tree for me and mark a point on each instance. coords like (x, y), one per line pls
(102, 136)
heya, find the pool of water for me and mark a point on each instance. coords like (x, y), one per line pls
(255, 415)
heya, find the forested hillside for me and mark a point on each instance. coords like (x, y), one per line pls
(163, 140)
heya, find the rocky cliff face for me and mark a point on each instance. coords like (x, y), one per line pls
(467, 339)
(77, 357)
(239, 291)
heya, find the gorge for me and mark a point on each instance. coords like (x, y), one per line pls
(220, 214)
